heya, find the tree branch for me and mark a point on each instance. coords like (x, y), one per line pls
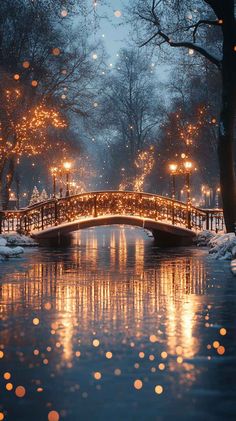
(203, 22)
(186, 44)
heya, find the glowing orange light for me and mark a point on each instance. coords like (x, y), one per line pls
(9, 386)
(159, 389)
(26, 64)
(56, 51)
(138, 384)
(53, 416)
(20, 391)
(97, 375)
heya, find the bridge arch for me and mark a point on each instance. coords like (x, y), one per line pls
(164, 234)
(172, 222)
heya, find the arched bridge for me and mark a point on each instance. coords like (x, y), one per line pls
(170, 221)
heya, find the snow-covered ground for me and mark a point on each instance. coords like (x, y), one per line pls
(222, 246)
(233, 267)
(11, 245)
(18, 240)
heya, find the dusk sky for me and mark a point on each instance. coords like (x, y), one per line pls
(113, 29)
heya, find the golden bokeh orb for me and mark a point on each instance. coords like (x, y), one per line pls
(53, 416)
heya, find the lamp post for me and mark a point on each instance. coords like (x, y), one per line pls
(173, 171)
(54, 174)
(188, 165)
(67, 167)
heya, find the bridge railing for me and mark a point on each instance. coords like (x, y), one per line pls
(97, 204)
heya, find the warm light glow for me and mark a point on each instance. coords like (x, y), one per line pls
(173, 168)
(138, 384)
(20, 391)
(54, 170)
(159, 389)
(53, 416)
(188, 165)
(67, 165)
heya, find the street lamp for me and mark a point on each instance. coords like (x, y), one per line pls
(67, 167)
(188, 165)
(173, 171)
(54, 174)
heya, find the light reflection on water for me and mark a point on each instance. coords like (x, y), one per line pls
(115, 286)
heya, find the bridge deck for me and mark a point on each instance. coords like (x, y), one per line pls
(157, 213)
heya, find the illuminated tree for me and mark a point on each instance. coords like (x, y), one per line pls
(47, 73)
(35, 197)
(43, 196)
(143, 164)
(23, 129)
(185, 25)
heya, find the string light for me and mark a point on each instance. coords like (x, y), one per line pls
(29, 128)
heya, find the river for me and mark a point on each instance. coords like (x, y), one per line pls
(113, 328)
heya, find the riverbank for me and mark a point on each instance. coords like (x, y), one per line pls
(12, 245)
(221, 246)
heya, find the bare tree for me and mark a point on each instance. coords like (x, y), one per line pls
(129, 106)
(43, 65)
(184, 25)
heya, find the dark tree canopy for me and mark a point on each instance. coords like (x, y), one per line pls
(186, 24)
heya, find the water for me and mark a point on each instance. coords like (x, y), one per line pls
(114, 329)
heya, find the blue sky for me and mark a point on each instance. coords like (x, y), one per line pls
(112, 29)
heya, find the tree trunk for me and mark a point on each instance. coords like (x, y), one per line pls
(227, 124)
(8, 182)
(2, 167)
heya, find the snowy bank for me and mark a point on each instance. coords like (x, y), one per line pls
(18, 240)
(233, 267)
(7, 252)
(223, 246)
(11, 245)
(203, 239)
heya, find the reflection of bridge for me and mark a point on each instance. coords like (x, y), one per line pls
(172, 222)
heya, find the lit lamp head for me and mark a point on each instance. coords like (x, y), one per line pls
(173, 168)
(188, 165)
(54, 170)
(67, 166)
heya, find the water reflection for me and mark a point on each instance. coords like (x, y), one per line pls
(89, 289)
(114, 286)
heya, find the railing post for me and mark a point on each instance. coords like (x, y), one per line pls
(207, 221)
(42, 216)
(56, 212)
(95, 207)
(173, 213)
(189, 216)
(1, 220)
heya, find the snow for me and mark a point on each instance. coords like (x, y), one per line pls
(11, 245)
(233, 267)
(7, 252)
(204, 238)
(223, 246)
(18, 240)
(3, 242)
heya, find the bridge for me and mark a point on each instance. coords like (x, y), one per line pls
(171, 222)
